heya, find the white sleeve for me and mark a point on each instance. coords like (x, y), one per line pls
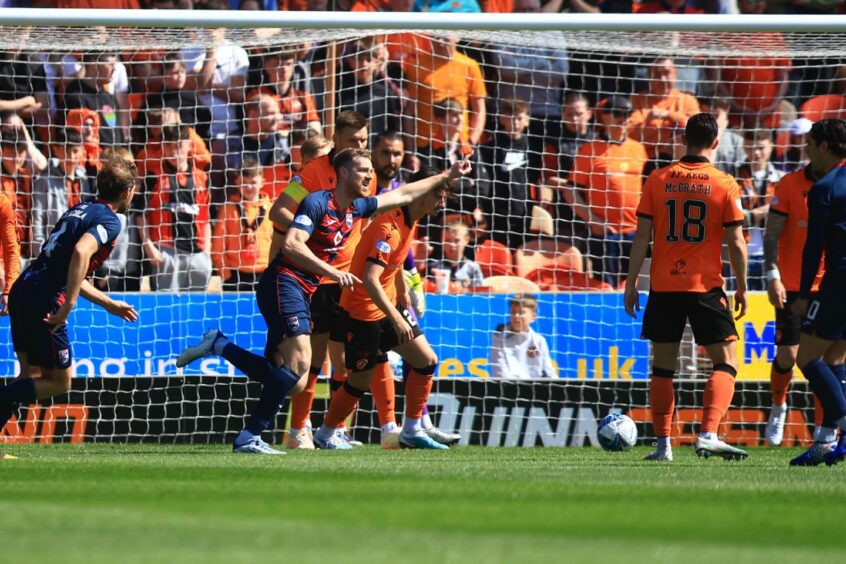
(546, 359)
(499, 359)
(120, 80)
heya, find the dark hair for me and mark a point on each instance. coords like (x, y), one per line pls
(430, 171)
(347, 156)
(389, 137)
(573, 96)
(118, 175)
(68, 137)
(350, 119)
(11, 137)
(174, 133)
(97, 56)
(172, 59)
(759, 135)
(833, 132)
(513, 106)
(701, 131)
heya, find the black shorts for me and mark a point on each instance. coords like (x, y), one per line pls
(788, 325)
(31, 336)
(325, 312)
(708, 313)
(826, 314)
(365, 341)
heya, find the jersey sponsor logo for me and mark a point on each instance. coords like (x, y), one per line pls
(383, 246)
(103, 234)
(303, 220)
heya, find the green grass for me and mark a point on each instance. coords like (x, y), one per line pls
(149, 503)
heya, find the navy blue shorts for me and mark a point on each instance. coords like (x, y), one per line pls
(284, 305)
(31, 336)
(826, 315)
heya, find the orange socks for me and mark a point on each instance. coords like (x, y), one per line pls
(344, 401)
(779, 384)
(384, 395)
(417, 388)
(662, 401)
(718, 394)
(301, 403)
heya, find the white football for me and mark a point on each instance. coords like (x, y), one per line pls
(617, 432)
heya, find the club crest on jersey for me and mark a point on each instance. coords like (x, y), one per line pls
(383, 246)
(293, 323)
(303, 220)
(64, 356)
(349, 220)
(532, 352)
(360, 364)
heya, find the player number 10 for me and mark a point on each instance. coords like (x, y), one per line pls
(693, 224)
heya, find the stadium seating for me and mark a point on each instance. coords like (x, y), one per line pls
(542, 255)
(509, 284)
(822, 107)
(494, 258)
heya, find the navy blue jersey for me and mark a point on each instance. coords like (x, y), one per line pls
(48, 274)
(329, 229)
(826, 231)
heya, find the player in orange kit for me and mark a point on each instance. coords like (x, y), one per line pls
(379, 318)
(688, 209)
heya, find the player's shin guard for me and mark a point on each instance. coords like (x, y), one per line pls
(20, 391)
(302, 402)
(336, 382)
(827, 388)
(662, 401)
(384, 394)
(718, 394)
(344, 402)
(780, 383)
(273, 392)
(417, 388)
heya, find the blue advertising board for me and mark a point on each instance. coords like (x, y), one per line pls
(589, 334)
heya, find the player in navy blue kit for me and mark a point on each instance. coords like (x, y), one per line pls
(45, 293)
(824, 319)
(319, 231)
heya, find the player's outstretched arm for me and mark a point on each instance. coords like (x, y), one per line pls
(643, 236)
(410, 192)
(373, 286)
(296, 250)
(775, 289)
(737, 256)
(80, 259)
(118, 308)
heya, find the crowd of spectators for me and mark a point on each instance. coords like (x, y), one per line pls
(218, 132)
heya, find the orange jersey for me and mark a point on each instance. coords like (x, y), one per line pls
(791, 201)
(612, 176)
(657, 133)
(10, 248)
(432, 79)
(385, 243)
(690, 203)
(319, 174)
(241, 236)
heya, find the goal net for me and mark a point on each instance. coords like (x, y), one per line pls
(562, 127)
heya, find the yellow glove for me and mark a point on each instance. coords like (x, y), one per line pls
(414, 283)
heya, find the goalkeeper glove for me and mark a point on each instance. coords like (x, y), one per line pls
(414, 283)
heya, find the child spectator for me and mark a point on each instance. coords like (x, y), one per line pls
(174, 227)
(87, 122)
(510, 209)
(313, 147)
(149, 156)
(266, 142)
(242, 234)
(516, 350)
(464, 272)
(62, 186)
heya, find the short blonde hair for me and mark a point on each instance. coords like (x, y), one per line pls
(526, 300)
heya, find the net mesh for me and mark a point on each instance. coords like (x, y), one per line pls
(259, 95)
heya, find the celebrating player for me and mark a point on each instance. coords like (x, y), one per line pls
(824, 319)
(784, 240)
(688, 209)
(42, 298)
(316, 236)
(379, 319)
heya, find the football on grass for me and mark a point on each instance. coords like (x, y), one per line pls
(617, 432)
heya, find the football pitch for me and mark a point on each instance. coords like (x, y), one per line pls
(184, 503)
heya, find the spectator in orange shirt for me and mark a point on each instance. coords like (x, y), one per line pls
(16, 180)
(10, 251)
(242, 234)
(266, 142)
(297, 106)
(87, 122)
(441, 73)
(148, 158)
(605, 188)
(659, 109)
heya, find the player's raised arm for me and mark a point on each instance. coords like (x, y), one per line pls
(410, 192)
